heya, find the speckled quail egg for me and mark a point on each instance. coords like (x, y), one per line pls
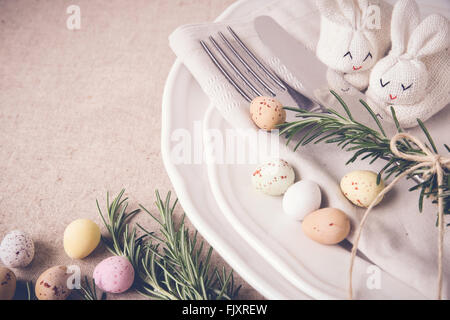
(273, 177)
(361, 188)
(267, 113)
(17, 249)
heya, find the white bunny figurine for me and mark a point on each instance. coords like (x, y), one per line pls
(354, 34)
(414, 77)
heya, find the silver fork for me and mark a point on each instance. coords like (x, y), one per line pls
(249, 76)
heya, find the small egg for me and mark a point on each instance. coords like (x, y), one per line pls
(273, 177)
(267, 113)
(7, 284)
(301, 199)
(17, 249)
(114, 274)
(326, 226)
(52, 284)
(361, 188)
(81, 237)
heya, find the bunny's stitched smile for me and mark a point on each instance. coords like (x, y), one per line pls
(392, 98)
(349, 54)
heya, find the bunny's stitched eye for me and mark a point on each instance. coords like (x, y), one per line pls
(368, 55)
(348, 54)
(406, 88)
(385, 84)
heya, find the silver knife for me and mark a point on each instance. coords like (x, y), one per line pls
(302, 63)
(297, 58)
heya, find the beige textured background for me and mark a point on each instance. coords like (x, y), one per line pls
(80, 114)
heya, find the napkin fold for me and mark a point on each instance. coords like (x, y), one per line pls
(185, 43)
(396, 237)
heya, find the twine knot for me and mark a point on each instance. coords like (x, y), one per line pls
(437, 158)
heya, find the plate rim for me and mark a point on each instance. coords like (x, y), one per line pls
(179, 184)
(237, 264)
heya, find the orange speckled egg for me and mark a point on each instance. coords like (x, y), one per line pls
(7, 284)
(267, 113)
(52, 284)
(326, 226)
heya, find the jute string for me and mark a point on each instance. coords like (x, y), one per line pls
(434, 164)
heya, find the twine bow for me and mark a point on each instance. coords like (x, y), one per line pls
(435, 164)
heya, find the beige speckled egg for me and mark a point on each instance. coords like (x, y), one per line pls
(52, 284)
(273, 177)
(267, 113)
(326, 226)
(81, 237)
(7, 284)
(360, 187)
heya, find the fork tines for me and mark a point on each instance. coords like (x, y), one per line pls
(245, 72)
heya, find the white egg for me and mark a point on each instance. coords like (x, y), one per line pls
(273, 177)
(301, 199)
(17, 249)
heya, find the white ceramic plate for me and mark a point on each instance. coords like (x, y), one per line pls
(267, 250)
(184, 105)
(320, 271)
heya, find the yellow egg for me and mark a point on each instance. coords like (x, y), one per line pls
(81, 237)
(7, 284)
(361, 188)
(267, 113)
(326, 226)
(52, 284)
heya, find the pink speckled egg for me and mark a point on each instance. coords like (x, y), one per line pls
(114, 274)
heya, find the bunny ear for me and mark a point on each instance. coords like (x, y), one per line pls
(405, 18)
(431, 36)
(342, 12)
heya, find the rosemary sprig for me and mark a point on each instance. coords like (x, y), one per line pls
(116, 222)
(365, 143)
(169, 266)
(30, 292)
(88, 292)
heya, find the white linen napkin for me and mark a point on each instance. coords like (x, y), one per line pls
(396, 237)
(185, 43)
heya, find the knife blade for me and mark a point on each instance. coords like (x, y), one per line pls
(295, 56)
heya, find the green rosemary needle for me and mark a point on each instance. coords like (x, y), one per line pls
(169, 266)
(30, 292)
(365, 143)
(88, 292)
